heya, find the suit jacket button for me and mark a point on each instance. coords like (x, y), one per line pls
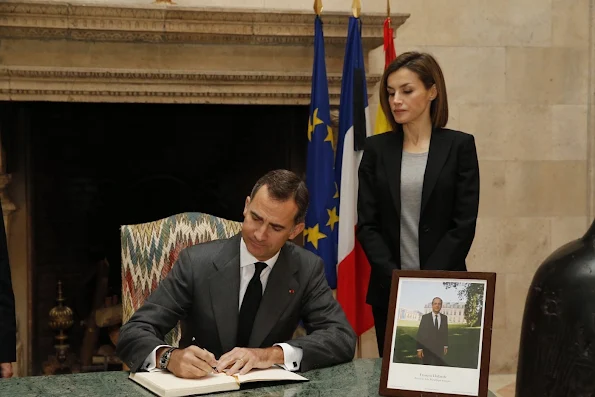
(425, 229)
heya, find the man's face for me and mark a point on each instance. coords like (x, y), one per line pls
(268, 224)
(436, 305)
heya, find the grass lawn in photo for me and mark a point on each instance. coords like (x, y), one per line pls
(463, 344)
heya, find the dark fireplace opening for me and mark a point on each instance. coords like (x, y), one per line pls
(96, 166)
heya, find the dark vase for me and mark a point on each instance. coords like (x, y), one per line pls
(557, 350)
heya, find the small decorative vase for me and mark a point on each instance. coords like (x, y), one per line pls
(60, 321)
(557, 349)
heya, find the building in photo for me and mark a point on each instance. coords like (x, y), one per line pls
(410, 315)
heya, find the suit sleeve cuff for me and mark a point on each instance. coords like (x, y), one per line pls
(150, 363)
(291, 355)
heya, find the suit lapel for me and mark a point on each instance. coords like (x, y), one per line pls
(224, 288)
(276, 298)
(439, 148)
(392, 159)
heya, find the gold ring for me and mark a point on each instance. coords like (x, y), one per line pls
(241, 359)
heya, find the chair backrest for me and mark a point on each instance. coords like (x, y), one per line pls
(149, 250)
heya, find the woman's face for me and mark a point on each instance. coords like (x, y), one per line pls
(408, 98)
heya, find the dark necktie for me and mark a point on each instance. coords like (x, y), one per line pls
(436, 321)
(250, 305)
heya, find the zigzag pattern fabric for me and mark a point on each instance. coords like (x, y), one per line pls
(149, 250)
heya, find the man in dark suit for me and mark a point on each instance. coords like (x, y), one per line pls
(432, 335)
(7, 311)
(241, 299)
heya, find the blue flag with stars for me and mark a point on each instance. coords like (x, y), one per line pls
(322, 218)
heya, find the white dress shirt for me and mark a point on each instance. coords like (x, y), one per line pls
(291, 355)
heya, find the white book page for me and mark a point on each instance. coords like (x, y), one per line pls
(269, 374)
(167, 384)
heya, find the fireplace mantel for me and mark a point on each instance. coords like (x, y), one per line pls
(172, 24)
(169, 54)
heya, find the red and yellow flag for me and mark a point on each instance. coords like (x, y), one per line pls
(382, 124)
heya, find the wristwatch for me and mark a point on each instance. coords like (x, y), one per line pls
(164, 360)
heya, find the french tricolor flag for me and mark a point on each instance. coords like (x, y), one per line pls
(353, 269)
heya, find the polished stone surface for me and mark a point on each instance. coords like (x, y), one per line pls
(359, 378)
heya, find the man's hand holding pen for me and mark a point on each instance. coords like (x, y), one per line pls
(192, 362)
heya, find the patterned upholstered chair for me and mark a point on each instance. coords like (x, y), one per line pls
(149, 250)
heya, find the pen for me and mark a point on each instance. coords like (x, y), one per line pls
(200, 347)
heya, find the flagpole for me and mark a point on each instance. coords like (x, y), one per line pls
(356, 8)
(388, 12)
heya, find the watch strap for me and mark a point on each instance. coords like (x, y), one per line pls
(164, 360)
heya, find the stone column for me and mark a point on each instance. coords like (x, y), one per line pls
(8, 208)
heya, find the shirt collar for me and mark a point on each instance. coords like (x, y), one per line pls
(246, 258)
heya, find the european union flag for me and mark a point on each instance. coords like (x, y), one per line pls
(322, 217)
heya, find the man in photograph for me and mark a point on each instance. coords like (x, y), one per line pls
(432, 336)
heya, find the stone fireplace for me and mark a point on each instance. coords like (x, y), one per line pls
(57, 57)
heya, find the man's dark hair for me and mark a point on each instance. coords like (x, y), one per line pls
(282, 186)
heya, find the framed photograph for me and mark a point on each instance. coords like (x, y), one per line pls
(438, 334)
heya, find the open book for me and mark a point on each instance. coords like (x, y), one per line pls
(166, 384)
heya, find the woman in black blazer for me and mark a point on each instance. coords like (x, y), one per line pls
(418, 184)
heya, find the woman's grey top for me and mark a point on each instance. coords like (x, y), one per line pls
(413, 168)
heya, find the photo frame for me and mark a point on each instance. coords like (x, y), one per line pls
(438, 334)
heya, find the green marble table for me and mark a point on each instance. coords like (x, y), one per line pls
(359, 378)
